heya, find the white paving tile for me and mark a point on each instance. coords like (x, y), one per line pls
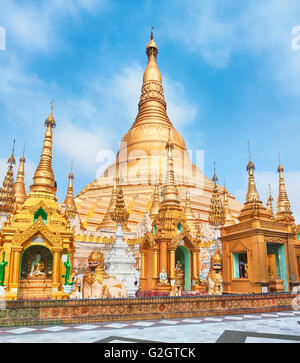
(270, 315)
(213, 319)
(252, 316)
(55, 328)
(169, 322)
(195, 321)
(286, 314)
(87, 327)
(233, 317)
(143, 323)
(22, 330)
(116, 325)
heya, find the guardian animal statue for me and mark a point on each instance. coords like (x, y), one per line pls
(214, 277)
(97, 283)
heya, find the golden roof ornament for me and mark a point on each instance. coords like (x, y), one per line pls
(155, 202)
(270, 203)
(19, 185)
(69, 202)
(7, 195)
(170, 190)
(43, 180)
(283, 203)
(120, 215)
(216, 216)
(253, 206)
(228, 218)
(252, 193)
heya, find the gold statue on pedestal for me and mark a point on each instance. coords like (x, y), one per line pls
(163, 277)
(37, 267)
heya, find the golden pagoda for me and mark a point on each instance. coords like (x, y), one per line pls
(7, 193)
(19, 185)
(259, 252)
(141, 162)
(37, 238)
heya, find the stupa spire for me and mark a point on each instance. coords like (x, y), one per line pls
(270, 203)
(152, 105)
(216, 215)
(283, 203)
(155, 202)
(7, 197)
(170, 190)
(43, 180)
(69, 202)
(252, 193)
(229, 220)
(19, 186)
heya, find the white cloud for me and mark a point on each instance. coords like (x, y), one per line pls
(217, 30)
(36, 27)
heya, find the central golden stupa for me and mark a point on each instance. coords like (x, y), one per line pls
(141, 164)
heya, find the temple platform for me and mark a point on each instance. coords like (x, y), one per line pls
(50, 312)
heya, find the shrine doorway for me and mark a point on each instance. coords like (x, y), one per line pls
(277, 262)
(183, 255)
(36, 273)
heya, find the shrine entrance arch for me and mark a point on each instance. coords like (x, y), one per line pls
(183, 255)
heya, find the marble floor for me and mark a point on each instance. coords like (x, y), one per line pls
(283, 327)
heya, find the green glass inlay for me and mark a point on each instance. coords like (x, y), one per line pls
(42, 213)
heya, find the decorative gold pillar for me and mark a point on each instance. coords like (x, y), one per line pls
(163, 256)
(56, 268)
(142, 265)
(195, 272)
(172, 264)
(16, 267)
(155, 263)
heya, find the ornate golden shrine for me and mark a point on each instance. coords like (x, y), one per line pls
(259, 252)
(37, 235)
(170, 236)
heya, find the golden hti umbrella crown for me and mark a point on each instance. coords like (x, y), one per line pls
(43, 180)
(19, 185)
(7, 195)
(216, 215)
(120, 215)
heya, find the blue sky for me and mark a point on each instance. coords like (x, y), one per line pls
(230, 75)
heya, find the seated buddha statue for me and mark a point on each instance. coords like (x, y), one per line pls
(37, 267)
(179, 273)
(163, 277)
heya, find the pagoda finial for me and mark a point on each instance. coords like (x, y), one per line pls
(283, 203)
(7, 194)
(19, 185)
(252, 193)
(270, 203)
(50, 120)
(43, 180)
(151, 36)
(216, 215)
(69, 202)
